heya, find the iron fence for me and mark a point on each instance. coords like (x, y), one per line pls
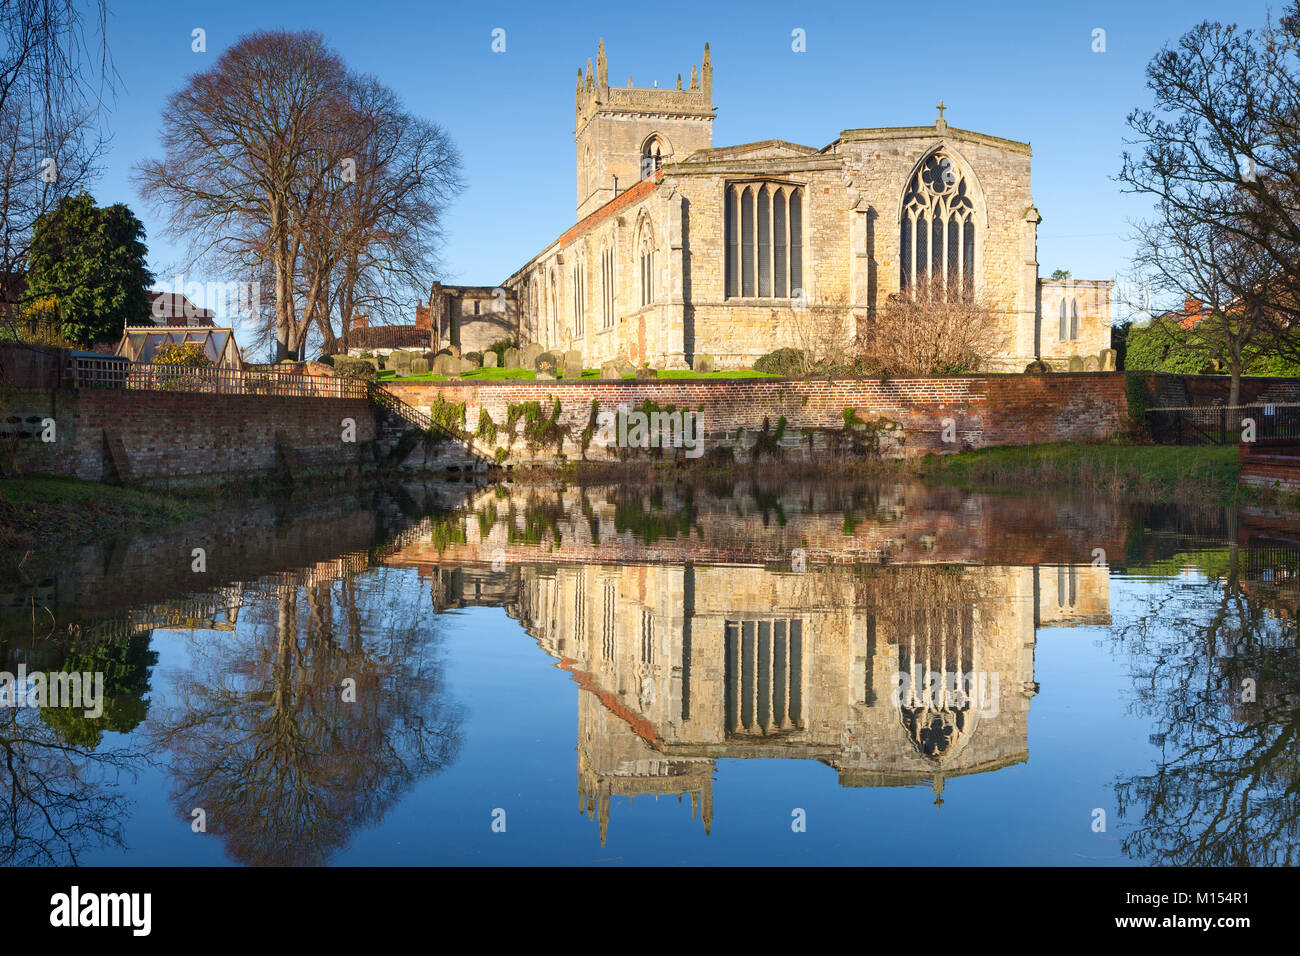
(114, 373)
(1223, 424)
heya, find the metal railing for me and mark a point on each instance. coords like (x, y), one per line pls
(1222, 424)
(114, 373)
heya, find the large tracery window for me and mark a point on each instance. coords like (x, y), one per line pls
(764, 236)
(937, 230)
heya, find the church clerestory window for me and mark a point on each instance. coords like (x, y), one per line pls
(937, 230)
(763, 223)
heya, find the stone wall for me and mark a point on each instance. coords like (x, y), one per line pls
(180, 436)
(734, 414)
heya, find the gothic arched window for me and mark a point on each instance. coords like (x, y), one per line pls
(652, 156)
(937, 229)
(764, 240)
(647, 251)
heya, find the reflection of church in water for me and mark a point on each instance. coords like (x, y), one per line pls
(681, 665)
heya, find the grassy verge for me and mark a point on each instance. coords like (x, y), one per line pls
(1147, 472)
(40, 513)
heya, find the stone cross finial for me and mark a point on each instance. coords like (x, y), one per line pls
(941, 123)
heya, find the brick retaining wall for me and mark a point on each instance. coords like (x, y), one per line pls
(180, 436)
(985, 410)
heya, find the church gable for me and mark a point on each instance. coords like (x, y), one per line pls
(766, 149)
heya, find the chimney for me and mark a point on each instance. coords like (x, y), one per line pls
(422, 316)
(359, 321)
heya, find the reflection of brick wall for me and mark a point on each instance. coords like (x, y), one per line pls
(986, 410)
(184, 435)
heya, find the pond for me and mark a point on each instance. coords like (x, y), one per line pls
(725, 673)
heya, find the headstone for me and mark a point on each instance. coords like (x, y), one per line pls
(514, 358)
(610, 370)
(626, 369)
(703, 363)
(531, 351)
(489, 359)
(645, 373)
(1037, 367)
(1092, 364)
(474, 358)
(467, 365)
(429, 357)
(573, 364)
(546, 365)
(1076, 364)
(446, 365)
(419, 366)
(400, 360)
(1108, 359)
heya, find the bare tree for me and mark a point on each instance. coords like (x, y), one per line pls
(280, 161)
(1220, 157)
(927, 331)
(55, 69)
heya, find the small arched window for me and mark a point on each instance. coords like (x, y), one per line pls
(646, 250)
(1069, 320)
(653, 155)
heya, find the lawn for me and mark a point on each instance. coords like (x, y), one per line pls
(501, 374)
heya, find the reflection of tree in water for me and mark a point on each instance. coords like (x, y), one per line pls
(57, 799)
(1225, 790)
(263, 741)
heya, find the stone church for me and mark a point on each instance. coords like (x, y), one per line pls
(682, 249)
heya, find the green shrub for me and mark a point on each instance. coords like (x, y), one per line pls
(348, 367)
(785, 362)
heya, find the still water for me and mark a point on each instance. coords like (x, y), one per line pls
(722, 674)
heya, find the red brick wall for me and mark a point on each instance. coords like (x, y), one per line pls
(985, 410)
(187, 436)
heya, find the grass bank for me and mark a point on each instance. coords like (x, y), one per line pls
(44, 513)
(1148, 472)
(1151, 473)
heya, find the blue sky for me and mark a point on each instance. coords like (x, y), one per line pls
(1025, 71)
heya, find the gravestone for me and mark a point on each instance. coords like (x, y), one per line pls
(474, 358)
(1076, 364)
(703, 363)
(446, 365)
(489, 359)
(531, 351)
(1037, 367)
(454, 351)
(610, 370)
(1092, 364)
(546, 366)
(419, 366)
(467, 365)
(1108, 359)
(646, 373)
(573, 364)
(400, 359)
(514, 358)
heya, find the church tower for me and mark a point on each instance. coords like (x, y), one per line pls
(624, 134)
